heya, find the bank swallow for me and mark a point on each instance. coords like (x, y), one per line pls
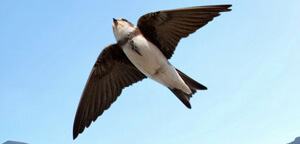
(142, 51)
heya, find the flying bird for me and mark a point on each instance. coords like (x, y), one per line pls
(142, 51)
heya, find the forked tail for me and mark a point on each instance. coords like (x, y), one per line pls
(192, 84)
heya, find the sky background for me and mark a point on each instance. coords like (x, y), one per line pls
(248, 58)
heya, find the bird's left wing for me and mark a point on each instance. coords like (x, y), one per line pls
(166, 28)
(111, 73)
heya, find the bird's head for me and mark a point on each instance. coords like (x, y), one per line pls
(122, 28)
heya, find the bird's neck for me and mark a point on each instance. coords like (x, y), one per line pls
(122, 41)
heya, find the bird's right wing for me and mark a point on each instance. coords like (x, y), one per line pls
(111, 73)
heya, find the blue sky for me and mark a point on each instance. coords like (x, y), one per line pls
(248, 58)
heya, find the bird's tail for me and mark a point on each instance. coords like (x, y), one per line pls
(192, 84)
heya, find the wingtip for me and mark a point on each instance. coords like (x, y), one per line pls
(76, 132)
(75, 135)
(228, 6)
(224, 7)
(75, 129)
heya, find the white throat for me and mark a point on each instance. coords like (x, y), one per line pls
(122, 32)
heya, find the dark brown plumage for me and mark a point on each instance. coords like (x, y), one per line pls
(113, 71)
(166, 28)
(110, 74)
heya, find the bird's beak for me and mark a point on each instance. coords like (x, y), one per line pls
(115, 23)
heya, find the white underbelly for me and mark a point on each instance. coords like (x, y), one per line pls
(147, 58)
(151, 62)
